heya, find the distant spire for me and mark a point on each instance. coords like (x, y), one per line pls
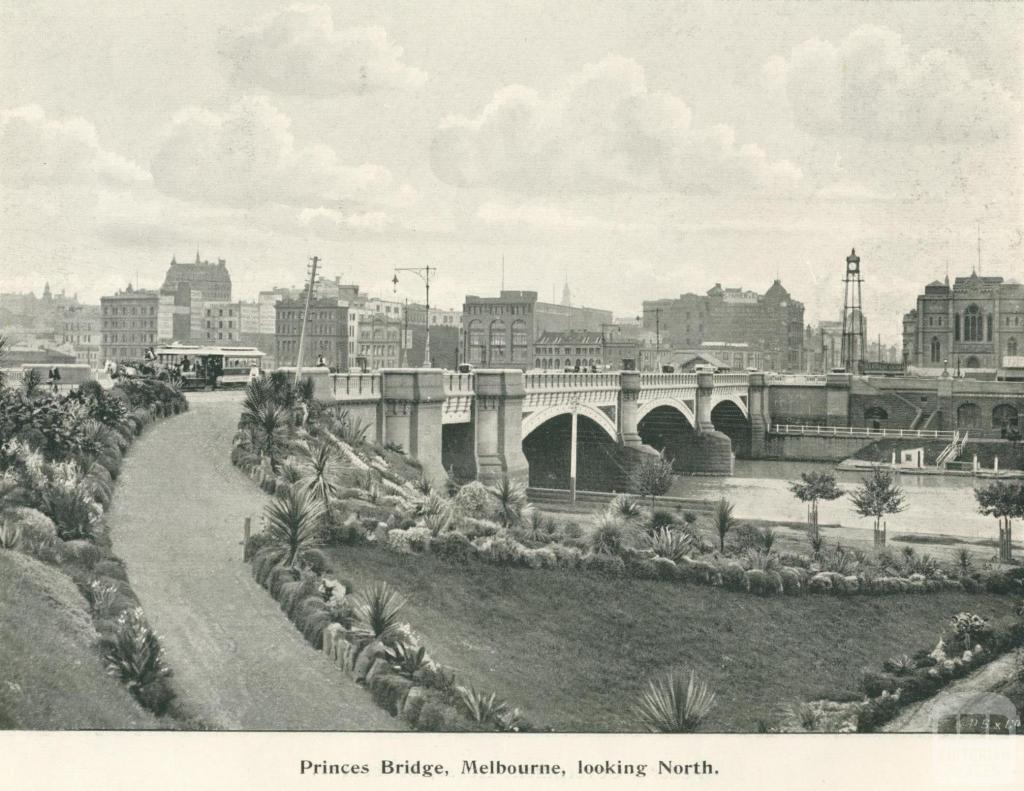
(566, 293)
(174, 259)
(197, 256)
(979, 248)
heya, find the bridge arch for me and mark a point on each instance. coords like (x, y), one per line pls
(733, 399)
(536, 419)
(730, 417)
(674, 403)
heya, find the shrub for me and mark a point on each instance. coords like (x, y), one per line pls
(602, 563)
(672, 706)
(476, 528)
(389, 690)
(625, 508)
(609, 536)
(670, 544)
(873, 683)
(699, 572)
(110, 568)
(664, 568)
(83, 552)
(875, 713)
(566, 557)
(35, 525)
(482, 709)
(661, 518)
(475, 501)
(135, 657)
(398, 541)
(10, 535)
(790, 581)
(453, 547)
(734, 577)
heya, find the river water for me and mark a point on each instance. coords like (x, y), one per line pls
(760, 490)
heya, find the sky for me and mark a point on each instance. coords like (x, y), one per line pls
(638, 150)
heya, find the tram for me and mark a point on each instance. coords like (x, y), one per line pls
(210, 367)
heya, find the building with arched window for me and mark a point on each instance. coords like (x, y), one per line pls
(977, 322)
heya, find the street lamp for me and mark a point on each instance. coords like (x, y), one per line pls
(604, 353)
(424, 273)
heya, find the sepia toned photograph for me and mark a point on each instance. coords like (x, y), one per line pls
(606, 367)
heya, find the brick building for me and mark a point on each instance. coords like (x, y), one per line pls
(81, 330)
(977, 322)
(326, 333)
(772, 323)
(211, 280)
(129, 324)
(501, 332)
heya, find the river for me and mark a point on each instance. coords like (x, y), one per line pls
(760, 490)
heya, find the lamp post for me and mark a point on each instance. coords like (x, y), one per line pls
(424, 273)
(314, 262)
(604, 360)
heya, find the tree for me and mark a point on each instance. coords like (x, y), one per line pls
(812, 487)
(723, 520)
(877, 496)
(320, 468)
(653, 476)
(1004, 501)
(513, 508)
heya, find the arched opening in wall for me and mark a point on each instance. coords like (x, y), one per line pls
(457, 451)
(972, 362)
(973, 326)
(728, 418)
(475, 341)
(936, 346)
(1011, 347)
(497, 343)
(1005, 416)
(600, 466)
(968, 416)
(875, 417)
(667, 429)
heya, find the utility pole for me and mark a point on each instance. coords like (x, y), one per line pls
(424, 273)
(657, 333)
(315, 260)
(572, 451)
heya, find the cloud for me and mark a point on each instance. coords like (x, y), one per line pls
(851, 191)
(298, 51)
(248, 156)
(549, 217)
(870, 86)
(41, 151)
(602, 130)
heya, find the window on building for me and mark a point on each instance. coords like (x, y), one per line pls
(1011, 347)
(497, 341)
(936, 350)
(973, 330)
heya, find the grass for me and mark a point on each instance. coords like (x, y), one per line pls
(575, 651)
(61, 682)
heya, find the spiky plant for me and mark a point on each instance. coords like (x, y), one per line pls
(610, 536)
(538, 527)
(407, 660)
(671, 705)
(724, 521)
(10, 535)
(760, 560)
(964, 561)
(102, 596)
(804, 714)
(902, 665)
(626, 508)
(32, 381)
(292, 527)
(270, 430)
(377, 612)
(480, 708)
(671, 544)
(134, 655)
(512, 506)
(422, 485)
(320, 468)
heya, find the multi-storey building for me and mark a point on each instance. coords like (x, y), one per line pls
(445, 336)
(978, 322)
(81, 330)
(501, 332)
(211, 280)
(326, 333)
(129, 324)
(584, 351)
(222, 321)
(379, 343)
(773, 322)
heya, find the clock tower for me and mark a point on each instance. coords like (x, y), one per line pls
(854, 347)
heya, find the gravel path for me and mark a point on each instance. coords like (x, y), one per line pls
(921, 717)
(177, 521)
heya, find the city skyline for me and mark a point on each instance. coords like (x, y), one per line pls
(587, 147)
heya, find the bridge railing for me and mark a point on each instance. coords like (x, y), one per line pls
(668, 380)
(797, 379)
(356, 387)
(535, 382)
(858, 431)
(732, 379)
(458, 384)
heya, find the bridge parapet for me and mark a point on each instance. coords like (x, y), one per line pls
(356, 387)
(458, 398)
(796, 380)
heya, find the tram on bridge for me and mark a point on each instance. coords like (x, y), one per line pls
(210, 367)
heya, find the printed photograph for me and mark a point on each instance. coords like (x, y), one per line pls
(594, 366)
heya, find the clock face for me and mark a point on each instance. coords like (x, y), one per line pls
(851, 266)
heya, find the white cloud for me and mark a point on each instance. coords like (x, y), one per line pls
(602, 130)
(248, 156)
(298, 51)
(549, 217)
(871, 86)
(851, 191)
(40, 150)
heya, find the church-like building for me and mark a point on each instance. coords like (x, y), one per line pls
(978, 322)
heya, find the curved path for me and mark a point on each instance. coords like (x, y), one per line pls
(177, 521)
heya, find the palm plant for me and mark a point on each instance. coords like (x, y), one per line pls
(407, 660)
(538, 527)
(513, 507)
(674, 706)
(723, 520)
(610, 536)
(291, 527)
(269, 429)
(482, 709)
(320, 468)
(377, 610)
(135, 655)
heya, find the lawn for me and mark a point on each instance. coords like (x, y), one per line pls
(575, 650)
(51, 672)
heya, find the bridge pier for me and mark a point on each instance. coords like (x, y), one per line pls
(629, 410)
(837, 399)
(498, 425)
(412, 401)
(714, 447)
(760, 416)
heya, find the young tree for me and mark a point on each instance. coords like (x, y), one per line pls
(1004, 501)
(812, 487)
(877, 496)
(724, 520)
(653, 476)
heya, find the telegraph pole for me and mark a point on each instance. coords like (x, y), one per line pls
(315, 260)
(572, 452)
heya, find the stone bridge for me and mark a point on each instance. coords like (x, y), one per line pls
(491, 423)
